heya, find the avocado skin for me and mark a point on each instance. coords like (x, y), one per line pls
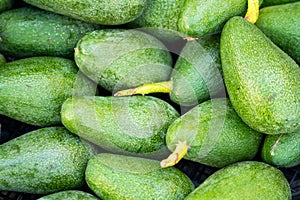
(6, 4)
(282, 150)
(33, 89)
(281, 24)
(129, 125)
(43, 161)
(69, 195)
(244, 180)
(200, 18)
(2, 59)
(262, 81)
(113, 12)
(266, 3)
(121, 177)
(197, 75)
(120, 59)
(29, 31)
(215, 134)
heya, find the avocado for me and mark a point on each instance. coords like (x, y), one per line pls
(69, 195)
(197, 74)
(215, 134)
(130, 125)
(281, 24)
(2, 59)
(262, 81)
(44, 161)
(113, 176)
(33, 89)
(244, 180)
(282, 150)
(196, 77)
(6, 4)
(201, 18)
(29, 31)
(276, 2)
(113, 12)
(120, 59)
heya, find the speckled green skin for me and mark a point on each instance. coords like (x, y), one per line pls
(121, 59)
(282, 25)
(200, 18)
(43, 161)
(245, 180)
(69, 195)
(6, 4)
(282, 150)
(263, 82)
(119, 177)
(2, 59)
(197, 75)
(131, 125)
(108, 12)
(276, 2)
(29, 31)
(216, 135)
(33, 89)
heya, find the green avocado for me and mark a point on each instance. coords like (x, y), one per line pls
(33, 89)
(69, 195)
(215, 134)
(119, 59)
(2, 59)
(276, 2)
(244, 180)
(117, 177)
(112, 12)
(201, 18)
(282, 150)
(6, 4)
(44, 161)
(197, 74)
(29, 31)
(130, 125)
(281, 24)
(262, 81)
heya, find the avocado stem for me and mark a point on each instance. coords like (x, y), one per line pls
(180, 151)
(160, 87)
(252, 11)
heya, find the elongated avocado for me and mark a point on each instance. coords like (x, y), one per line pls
(113, 176)
(69, 195)
(29, 31)
(130, 125)
(120, 59)
(244, 180)
(281, 24)
(113, 12)
(32, 90)
(215, 135)
(44, 161)
(262, 81)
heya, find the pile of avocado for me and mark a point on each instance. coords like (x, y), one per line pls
(120, 91)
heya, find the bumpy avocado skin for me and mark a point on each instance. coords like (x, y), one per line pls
(282, 150)
(276, 2)
(112, 12)
(262, 81)
(44, 161)
(215, 134)
(2, 59)
(118, 177)
(29, 31)
(281, 24)
(130, 125)
(69, 195)
(244, 180)
(197, 75)
(6, 4)
(33, 89)
(120, 59)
